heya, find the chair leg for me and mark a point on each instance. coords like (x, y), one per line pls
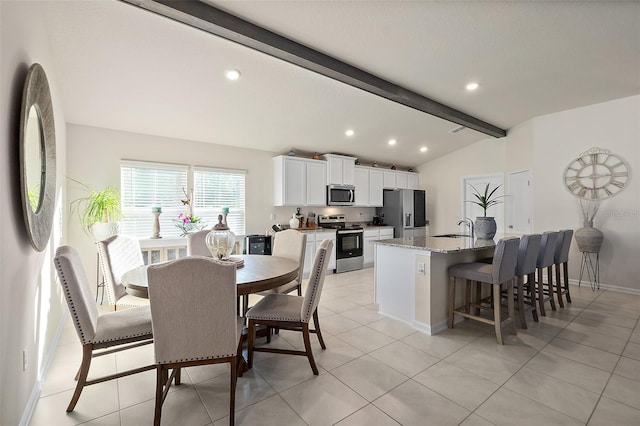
(565, 270)
(178, 376)
(299, 289)
(307, 346)
(550, 280)
(452, 297)
(510, 307)
(467, 297)
(81, 376)
(316, 323)
(523, 320)
(558, 286)
(232, 391)
(531, 286)
(496, 312)
(159, 395)
(251, 340)
(540, 288)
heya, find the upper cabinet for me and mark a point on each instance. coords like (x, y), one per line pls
(400, 180)
(340, 169)
(369, 186)
(299, 181)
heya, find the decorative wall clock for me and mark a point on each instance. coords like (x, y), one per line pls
(596, 174)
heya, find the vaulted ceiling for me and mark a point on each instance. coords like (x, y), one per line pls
(122, 67)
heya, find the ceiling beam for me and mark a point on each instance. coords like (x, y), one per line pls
(223, 24)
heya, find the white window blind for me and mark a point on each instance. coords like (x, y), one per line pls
(218, 188)
(146, 185)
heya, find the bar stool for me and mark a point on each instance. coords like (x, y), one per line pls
(561, 260)
(501, 271)
(526, 267)
(545, 260)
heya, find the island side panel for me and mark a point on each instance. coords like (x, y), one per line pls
(394, 280)
(439, 284)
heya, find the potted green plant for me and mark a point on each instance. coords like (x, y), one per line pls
(485, 226)
(98, 211)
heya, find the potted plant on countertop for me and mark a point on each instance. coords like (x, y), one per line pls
(98, 211)
(485, 226)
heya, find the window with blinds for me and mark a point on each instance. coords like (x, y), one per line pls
(145, 185)
(218, 188)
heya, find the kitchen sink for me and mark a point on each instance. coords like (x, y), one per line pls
(451, 236)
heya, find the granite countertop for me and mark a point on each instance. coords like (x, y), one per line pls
(442, 244)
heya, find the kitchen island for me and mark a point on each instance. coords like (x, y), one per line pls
(411, 276)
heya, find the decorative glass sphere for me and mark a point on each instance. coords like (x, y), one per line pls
(220, 243)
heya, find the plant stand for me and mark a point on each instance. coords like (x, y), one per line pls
(591, 264)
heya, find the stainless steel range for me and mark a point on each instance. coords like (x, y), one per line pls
(349, 242)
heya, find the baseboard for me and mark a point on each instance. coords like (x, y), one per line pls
(37, 386)
(610, 287)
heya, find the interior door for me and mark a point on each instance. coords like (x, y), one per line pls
(479, 182)
(519, 203)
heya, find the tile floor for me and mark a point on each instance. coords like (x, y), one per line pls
(579, 365)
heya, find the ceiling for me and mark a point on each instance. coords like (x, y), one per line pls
(124, 68)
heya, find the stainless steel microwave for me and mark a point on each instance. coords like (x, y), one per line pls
(341, 195)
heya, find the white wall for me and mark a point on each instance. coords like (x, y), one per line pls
(31, 304)
(545, 145)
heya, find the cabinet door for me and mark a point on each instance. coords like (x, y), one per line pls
(386, 233)
(309, 254)
(348, 171)
(294, 182)
(368, 248)
(316, 177)
(402, 180)
(390, 180)
(413, 180)
(361, 181)
(376, 185)
(335, 174)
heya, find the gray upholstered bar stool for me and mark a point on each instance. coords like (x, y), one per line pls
(500, 272)
(545, 261)
(526, 267)
(561, 261)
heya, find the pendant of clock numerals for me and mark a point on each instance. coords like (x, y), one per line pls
(596, 174)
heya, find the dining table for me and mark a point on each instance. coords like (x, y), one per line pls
(254, 273)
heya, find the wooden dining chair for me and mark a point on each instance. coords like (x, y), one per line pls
(193, 312)
(99, 334)
(119, 254)
(291, 312)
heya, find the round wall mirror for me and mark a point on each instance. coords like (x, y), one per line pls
(37, 157)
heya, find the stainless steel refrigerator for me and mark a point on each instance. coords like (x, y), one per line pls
(406, 211)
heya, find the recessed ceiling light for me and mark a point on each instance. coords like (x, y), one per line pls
(423, 149)
(232, 74)
(392, 142)
(472, 86)
(349, 132)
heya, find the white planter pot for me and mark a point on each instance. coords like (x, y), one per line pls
(103, 230)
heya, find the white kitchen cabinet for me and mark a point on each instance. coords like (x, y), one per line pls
(386, 233)
(313, 242)
(402, 180)
(340, 169)
(413, 180)
(376, 185)
(299, 181)
(369, 186)
(361, 181)
(389, 181)
(368, 248)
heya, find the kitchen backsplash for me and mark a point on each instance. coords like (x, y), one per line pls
(353, 214)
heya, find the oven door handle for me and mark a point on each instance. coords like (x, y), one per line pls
(354, 231)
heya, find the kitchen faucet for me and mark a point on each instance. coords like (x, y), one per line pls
(469, 223)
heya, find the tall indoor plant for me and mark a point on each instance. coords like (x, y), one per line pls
(485, 226)
(98, 211)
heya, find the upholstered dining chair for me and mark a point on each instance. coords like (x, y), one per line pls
(291, 312)
(500, 272)
(119, 254)
(197, 244)
(107, 333)
(526, 268)
(193, 312)
(561, 261)
(545, 261)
